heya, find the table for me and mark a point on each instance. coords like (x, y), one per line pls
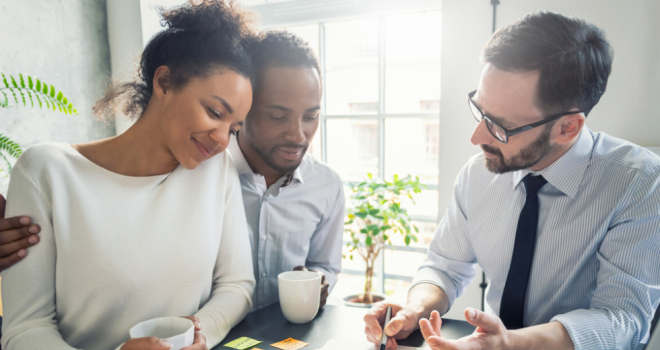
(333, 321)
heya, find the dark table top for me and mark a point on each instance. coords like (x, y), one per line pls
(332, 322)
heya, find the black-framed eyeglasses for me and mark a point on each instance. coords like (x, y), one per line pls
(501, 133)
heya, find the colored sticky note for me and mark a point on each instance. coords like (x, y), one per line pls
(289, 344)
(242, 343)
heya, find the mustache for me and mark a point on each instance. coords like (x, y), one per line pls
(293, 145)
(491, 150)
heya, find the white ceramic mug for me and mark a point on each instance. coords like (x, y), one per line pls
(300, 295)
(178, 331)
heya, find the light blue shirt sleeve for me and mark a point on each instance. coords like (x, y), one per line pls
(628, 288)
(326, 242)
(450, 262)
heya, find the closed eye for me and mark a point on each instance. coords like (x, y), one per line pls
(214, 114)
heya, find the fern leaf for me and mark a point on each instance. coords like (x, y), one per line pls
(44, 89)
(20, 76)
(13, 93)
(30, 96)
(6, 161)
(10, 147)
(41, 106)
(4, 80)
(38, 87)
(22, 97)
(52, 91)
(13, 81)
(30, 85)
(4, 103)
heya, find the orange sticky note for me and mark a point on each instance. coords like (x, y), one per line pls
(290, 344)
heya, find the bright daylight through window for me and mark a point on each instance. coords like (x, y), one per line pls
(381, 116)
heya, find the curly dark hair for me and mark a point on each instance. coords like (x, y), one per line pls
(279, 48)
(573, 57)
(200, 37)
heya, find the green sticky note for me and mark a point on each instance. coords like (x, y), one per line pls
(242, 343)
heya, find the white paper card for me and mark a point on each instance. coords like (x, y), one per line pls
(338, 344)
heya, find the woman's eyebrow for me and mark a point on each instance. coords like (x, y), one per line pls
(224, 103)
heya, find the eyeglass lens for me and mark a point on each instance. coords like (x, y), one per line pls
(494, 129)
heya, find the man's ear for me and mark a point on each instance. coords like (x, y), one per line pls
(162, 81)
(569, 128)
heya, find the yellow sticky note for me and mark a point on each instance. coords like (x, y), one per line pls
(242, 343)
(289, 344)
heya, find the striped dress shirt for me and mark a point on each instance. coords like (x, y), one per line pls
(596, 266)
(299, 220)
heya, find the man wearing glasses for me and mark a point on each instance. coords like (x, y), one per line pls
(564, 221)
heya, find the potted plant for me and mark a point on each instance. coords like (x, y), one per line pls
(375, 215)
(26, 90)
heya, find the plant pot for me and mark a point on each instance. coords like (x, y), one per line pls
(354, 300)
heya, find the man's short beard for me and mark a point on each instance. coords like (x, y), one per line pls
(527, 158)
(267, 154)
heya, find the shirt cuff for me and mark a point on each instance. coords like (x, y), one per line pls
(438, 278)
(589, 329)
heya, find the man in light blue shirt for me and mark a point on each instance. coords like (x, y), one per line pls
(565, 222)
(294, 204)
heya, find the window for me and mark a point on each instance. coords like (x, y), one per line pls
(381, 115)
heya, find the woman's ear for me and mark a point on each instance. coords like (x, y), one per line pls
(570, 127)
(162, 81)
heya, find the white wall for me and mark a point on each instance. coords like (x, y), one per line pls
(629, 109)
(63, 43)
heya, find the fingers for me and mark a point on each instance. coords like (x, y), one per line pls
(299, 268)
(372, 320)
(10, 248)
(199, 343)
(325, 292)
(483, 321)
(3, 204)
(436, 322)
(12, 259)
(426, 328)
(195, 321)
(147, 343)
(18, 233)
(14, 222)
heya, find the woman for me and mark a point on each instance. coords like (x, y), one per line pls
(129, 230)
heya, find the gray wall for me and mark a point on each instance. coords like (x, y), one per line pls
(65, 43)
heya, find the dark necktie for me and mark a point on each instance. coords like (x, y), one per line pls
(512, 306)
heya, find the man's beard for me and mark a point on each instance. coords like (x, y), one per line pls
(267, 153)
(527, 158)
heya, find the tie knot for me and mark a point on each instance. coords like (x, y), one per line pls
(533, 184)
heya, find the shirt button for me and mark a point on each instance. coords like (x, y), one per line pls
(263, 275)
(264, 237)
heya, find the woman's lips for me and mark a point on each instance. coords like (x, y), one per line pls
(206, 154)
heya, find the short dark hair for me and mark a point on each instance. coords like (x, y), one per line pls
(573, 58)
(200, 36)
(279, 48)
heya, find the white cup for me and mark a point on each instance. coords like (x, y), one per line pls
(300, 295)
(178, 331)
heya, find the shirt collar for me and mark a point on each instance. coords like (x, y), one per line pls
(237, 155)
(566, 173)
(243, 167)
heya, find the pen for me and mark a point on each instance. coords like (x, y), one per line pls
(383, 339)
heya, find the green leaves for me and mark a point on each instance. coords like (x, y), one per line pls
(23, 89)
(9, 148)
(375, 214)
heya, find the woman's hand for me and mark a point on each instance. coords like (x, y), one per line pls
(147, 343)
(200, 340)
(153, 343)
